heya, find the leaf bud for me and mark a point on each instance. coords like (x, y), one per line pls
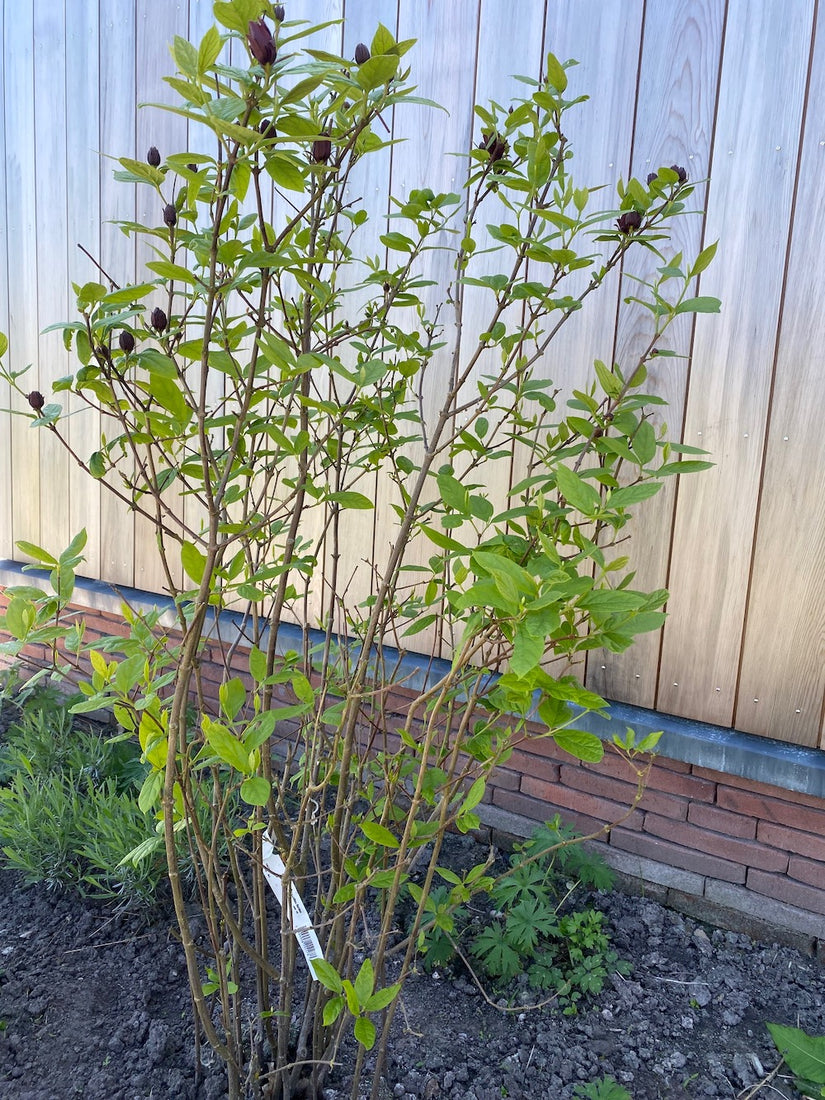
(322, 149)
(170, 214)
(159, 319)
(362, 53)
(278, 12)
(126, 341)
(153, 157)
(629, 221)
(680, 172)
(36, 400)
(261, 43)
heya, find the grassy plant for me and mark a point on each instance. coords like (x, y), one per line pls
(68, 806)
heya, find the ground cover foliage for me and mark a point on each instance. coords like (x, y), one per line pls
(257, 390)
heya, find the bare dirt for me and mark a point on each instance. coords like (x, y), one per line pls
(95, 1004)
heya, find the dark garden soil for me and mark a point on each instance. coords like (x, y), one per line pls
(94, 1004)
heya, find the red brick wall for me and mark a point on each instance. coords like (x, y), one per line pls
(732, 837)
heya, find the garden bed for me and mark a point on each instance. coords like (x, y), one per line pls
(94, 1004)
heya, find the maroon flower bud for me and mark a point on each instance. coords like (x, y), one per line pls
(261, 43)
(126, 341)
(36, 400)
(159, 319)
(170, 214)
(322, 149)
(278, 12)
(680, 172)
(267, 128)
(362, 53)
(630, 220)
(192, 167)
(651, 176)
(494, 143)
(153, 157)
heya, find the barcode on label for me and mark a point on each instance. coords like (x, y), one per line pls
(296, 910)
(309, 944)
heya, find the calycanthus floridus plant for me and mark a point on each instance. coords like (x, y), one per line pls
(255, 389)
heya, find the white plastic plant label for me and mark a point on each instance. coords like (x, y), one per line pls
(297, 914)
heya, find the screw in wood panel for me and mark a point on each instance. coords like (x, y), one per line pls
(675, 685)
(798, 710)
(756, 700)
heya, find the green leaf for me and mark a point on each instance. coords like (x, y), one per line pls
(377, 71)
(578, 494)
(699, 305)
(382, 41)
(285, 171)
(332, 1010)
(232, 695)
(255, 791)
(804, 1053)
(474, 795)
(365, 982)
(257, 664)
(327, 975)
(704, 259)
(157, 363)
(632, 494)
(4, 343)
(689, 466)
(582, 745)
(379, 834)
(453, 493)
(20, 617)
(35, 552)
(365, 1032)
(97, 464)
(193, 561)
(644, 442)
(607, 379)
(227, 747)
(150, 791)
(382, 997)
(209, 50)
(186, 56)
(556, 75)
(351, 500)
(169, 270)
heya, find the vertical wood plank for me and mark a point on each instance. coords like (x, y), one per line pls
(83, 207)
(753, 171)
(117, 251)
(6, 534)
(18, 59)
(675, 111)
(369, 182)
(782, 678)
(443, 66)
(52, 252)
(156, 29)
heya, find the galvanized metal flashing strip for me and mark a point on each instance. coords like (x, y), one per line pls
(790, 767)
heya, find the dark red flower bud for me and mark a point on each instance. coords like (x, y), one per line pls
(36, 400)
(278, 12)
(170, 214)
(494, 143)
(651, 176)
(126, 341)
(680, 172)
(153, 157)
(322, 149)
(362, 53)
(630, 220)
(267, 128)
(192, 167)
(261, 43)
(159, 319)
